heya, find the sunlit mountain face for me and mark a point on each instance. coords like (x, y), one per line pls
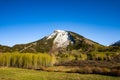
(59, 40)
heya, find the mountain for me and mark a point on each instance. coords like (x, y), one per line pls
(116, 43)
(5, 49)
(58, 41)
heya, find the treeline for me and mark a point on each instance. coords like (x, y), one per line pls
(78, 55)
(26, 60)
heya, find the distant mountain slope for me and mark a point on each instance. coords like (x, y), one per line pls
(116, 43)
(59, 40)
(5, 49)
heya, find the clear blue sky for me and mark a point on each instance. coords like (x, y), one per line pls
(23, 21)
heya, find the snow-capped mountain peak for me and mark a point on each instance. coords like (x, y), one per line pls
(55, 33)
(62, 38)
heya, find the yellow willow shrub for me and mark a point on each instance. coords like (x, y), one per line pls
(47, 60)
(8, 58)
(34, 57)
(29, 61)
(84, 56)
(53, 60)
(14, 60)
(39, 61)
(2, 60)
(5, 59)
(21, 61)
(26, 60)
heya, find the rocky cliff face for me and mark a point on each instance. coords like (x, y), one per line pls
(61, 38)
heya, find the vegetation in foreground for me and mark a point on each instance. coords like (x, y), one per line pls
(26, 60)
(43, 61)
(24, 74)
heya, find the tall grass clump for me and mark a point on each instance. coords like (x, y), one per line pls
(26, 60)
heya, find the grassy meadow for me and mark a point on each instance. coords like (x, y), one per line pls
(25, 74)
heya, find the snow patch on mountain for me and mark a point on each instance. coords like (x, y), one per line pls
(62, 38)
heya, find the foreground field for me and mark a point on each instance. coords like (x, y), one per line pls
(25, 74)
